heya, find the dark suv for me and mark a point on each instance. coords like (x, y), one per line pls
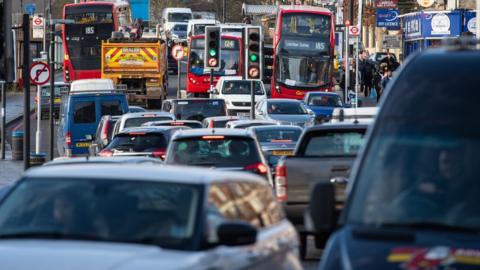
(414, 194)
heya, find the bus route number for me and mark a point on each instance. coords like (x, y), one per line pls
(90, 30)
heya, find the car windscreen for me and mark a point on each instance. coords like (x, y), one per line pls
(237, 87)
(278, 135)
(325, 101)
(138, 142)
(136, 122)
(423, 166)
(334, 143)
(153, 213)
(285, 108)
(199, 109)
(218, 151)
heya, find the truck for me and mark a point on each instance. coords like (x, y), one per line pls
(140, 65)
(324, 153)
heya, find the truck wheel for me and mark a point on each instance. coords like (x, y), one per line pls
(303, 246)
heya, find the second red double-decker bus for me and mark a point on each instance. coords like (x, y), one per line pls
(93, 22)
(198, 80)
(303, 51)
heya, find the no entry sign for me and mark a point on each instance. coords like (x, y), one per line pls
(39, 73)
(353, 31)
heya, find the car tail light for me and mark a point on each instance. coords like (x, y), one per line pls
(213, 137)
(281, 182)
(106, 127)
(258, 168)
(159, 153)
(106, 153)
(210, 124)
(68, 138)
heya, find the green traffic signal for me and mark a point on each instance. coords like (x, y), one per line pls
(212, 52)
(253, 57)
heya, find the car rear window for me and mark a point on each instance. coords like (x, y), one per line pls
(334, 143)
(111, 107)
(84, 112)
(236, 87)
(286, 108)
(138, 142)
(273, 135)
(199, 109)
(325, 101)
(214, 151)
(136, 122)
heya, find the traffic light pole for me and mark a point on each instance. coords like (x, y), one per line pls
(52, 88)
(3, 113)
(26, 94)
(252, 101)
(211, 81)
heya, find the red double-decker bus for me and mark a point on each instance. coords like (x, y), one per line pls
(93, 22)
(198, 80)
(303, 48)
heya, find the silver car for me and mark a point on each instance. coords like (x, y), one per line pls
(285, 111)
(133, 216)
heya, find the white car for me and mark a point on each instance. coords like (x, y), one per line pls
(236, 93)
(149, 217)
(130, 120)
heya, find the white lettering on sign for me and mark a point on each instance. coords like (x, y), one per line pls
(89, 30)
(131, 50)
(440, 24)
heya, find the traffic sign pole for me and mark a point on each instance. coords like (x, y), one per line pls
(38, 135)
(177, 54)
(26, 94)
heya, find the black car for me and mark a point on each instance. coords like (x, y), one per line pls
(414, 194)
(141, 141)
(195, 108)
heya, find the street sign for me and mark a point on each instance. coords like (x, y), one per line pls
(177, 52)
(353, 31)
(386, 3)
(392, 42)
(39, 73)
(388, 18)
(38, 26)
(30, 8)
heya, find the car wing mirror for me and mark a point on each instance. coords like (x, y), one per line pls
(236, 234)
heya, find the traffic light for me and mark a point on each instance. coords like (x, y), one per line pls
(212, 48)
(253, 55)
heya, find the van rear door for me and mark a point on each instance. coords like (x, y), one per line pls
(83, 122)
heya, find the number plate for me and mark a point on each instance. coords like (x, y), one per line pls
(89, 30)
(282, 153)
(82, 144)
(57, 100)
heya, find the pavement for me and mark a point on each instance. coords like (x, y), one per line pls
(11, 170)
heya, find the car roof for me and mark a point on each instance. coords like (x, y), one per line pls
(97, 159)
(145, 114)
(148, 129)
(275, 127)
(150, 172)
(249, 121)
(282, 100)
(338, 126)
(221, 118)
(190, 133)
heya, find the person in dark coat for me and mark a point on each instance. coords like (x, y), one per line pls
(366, 69)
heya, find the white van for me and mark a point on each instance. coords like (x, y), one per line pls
(89, 85)
(236, 93)
(197, 27)
(170, 16)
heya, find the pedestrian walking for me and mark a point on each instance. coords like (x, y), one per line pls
(366, 69)
(386, 78)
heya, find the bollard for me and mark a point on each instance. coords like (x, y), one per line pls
(17, 145)
(37, 159)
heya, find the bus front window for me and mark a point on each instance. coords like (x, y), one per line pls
(306, 25)
(303, 71)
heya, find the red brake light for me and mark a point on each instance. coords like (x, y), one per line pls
(175, 123)
(259, 168)
(281, 182)
(106, 153)
(136, 133)
(68, 138)
(159, 153)
(213, 137)
(106, 127)
(281, 141)
(210, 125)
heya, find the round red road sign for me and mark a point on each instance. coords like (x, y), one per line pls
(354, 30)
(253, 72)
(212, 62)
(38, 21)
